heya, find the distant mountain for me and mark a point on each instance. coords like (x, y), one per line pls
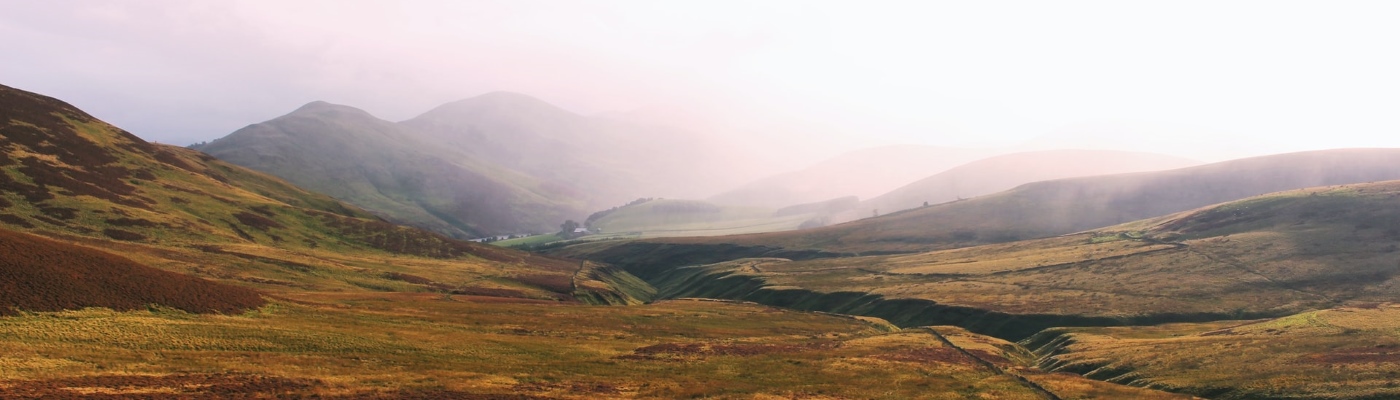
(381, 166)
(605, 161)
(995, 174)
(1032, 210)
(1264, 256)
(862, 173)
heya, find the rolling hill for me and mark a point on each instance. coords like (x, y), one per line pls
(356, 307)
(1264, 256)
(604, 161)
(380, 166)
(1004, 172)
(1041, 209)
(38, 274)
(1338, 353)
(862, 173)
(68, 176)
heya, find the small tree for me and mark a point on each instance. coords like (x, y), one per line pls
(566, 230)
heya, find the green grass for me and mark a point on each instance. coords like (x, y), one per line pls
(528, 241)
(671, 218)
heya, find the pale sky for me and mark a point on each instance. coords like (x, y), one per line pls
(1203, 79)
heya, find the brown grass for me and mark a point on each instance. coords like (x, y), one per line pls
(256, 221)
(38, 274)
(122, 235)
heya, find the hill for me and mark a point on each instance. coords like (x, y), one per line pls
(863, 173)
(1004, 172)
(38, 274)
(1339, 353)
(604, 161)
(1270, 255)
(380, 166)
(1055, 207)
(67, 175)
(361, 308)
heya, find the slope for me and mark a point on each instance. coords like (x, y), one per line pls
(1058, 207)
(1004, 172)
(1338, 353)
(862, 173)
(38, 274)
(606, 162)
(1270, 255)
(378, 165)
(67, 175)
(360, 308)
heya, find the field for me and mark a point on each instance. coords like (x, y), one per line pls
(1273, 255)
(433, 345)
(528, 241)
(138, 270)
(1343, 353)
(675, 218)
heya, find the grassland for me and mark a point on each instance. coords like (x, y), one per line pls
(38, 274)
(1272, 255)
(357, 307)
(1341, 353)
(1262, 257)
(529, 241)
(675, 218)
(405, 344)
(68, 176)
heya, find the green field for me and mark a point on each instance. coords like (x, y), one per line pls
(528, 241)
(677, 218)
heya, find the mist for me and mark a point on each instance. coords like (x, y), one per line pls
(780, 86)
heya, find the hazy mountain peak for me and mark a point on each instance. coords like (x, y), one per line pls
(506, 96)
(496, 105)
(319, 107)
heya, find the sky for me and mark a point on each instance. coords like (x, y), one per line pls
(1204, 79)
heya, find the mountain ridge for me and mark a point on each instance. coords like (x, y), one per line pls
(69, 176)
(1002, 172)
(376, 164)
(1057, 207)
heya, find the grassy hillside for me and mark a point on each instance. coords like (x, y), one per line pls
(38, 274)
(398, 345)
(1004, 172)
(66, 175)
(1340, 353)
(357, 307)
(380, 166)
(1264, 256)
(1063, 206)
(603, 161)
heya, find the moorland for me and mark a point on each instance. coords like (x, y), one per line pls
(134, 269)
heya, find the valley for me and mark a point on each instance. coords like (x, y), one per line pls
(135, 269)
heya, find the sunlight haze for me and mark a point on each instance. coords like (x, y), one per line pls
(1207, 80)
